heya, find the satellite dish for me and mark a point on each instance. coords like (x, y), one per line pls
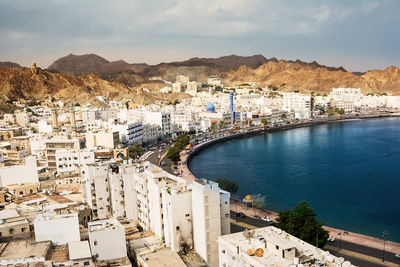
(248, 233)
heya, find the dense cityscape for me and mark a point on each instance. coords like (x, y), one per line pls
(92, 186)
(221, 133)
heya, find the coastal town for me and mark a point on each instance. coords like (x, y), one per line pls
(105, 185)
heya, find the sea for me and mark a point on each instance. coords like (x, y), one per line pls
(349, 172)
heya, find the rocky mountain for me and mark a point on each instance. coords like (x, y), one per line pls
(36, 84)
(9, 64)
(91, 63)
(316, 78)
(225, 62)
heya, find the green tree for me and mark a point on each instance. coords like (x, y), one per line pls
(173, 154)
(218, 88)
(227, 185)
(258, 202)
(127, 104)
(329, 111)
(135, 151)
(340, 111)
(213, 126)
(301, 222)
(222, 124)
(264, 121)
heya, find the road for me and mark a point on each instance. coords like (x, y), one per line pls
(357, 254)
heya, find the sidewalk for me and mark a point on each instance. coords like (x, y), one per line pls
(360, 239)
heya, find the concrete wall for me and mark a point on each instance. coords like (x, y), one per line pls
(20, 173)
(59, 229)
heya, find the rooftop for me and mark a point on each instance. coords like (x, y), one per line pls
(79, 250)
(271, 241)
(104, 225)
(23, 250)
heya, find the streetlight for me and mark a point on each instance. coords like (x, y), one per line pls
(384, 236)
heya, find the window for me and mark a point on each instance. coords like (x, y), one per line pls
(276, 246)
(86, 263)
(177, 228)
(23, 229)
(10, 231)
(95, 243)
(187, 215)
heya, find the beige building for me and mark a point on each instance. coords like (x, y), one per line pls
(13, 225)
(103, 139)
(23, 190)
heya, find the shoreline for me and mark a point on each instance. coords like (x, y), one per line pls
(365, 240)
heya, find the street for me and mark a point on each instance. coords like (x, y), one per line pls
(357, 254)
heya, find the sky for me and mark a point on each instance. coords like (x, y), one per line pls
(357, 34)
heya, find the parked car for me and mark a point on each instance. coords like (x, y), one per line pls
(266, 219)
(397, 256)
(240, 215)
(331, 238)
(176, 172)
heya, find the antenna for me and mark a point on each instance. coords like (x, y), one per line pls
(248, 233)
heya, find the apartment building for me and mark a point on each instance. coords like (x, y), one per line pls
(107, 239)
(73, 161)
(47, 227)
(57, 144)
(269, 247)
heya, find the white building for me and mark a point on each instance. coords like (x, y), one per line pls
(44, 127)
(59, 229)
(151, 132)
(269, 247)
(68, 160)
(206, 219)
(98, 190)
(298, 103)
(191, 88)
(79, 253)
(213, 81)
(57, 144)
(346, 94)
(162, 119)
(20, 174)
(107, 239)
(129, 134)
(176, 87)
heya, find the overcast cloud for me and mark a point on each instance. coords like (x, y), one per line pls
(359, 35)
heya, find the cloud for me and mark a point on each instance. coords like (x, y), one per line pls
(53, 28)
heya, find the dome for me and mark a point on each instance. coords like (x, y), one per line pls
(210, 107)
(248, 198)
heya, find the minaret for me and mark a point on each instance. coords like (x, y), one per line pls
(54, 119)
(73, 123)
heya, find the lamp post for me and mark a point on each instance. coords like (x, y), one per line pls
(384, 236)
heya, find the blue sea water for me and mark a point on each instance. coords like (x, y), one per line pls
(349, 172)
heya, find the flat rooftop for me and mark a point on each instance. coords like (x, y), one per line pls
(267, 239)
(79, 250)
(24, 249)
(162, 257)
(104, 224)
